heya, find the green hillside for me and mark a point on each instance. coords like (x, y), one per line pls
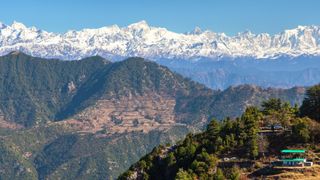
(91, 119)
(33, 90)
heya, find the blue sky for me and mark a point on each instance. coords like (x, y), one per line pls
(229, 16)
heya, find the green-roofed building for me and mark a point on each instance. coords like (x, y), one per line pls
(293, 157)
(293, 151)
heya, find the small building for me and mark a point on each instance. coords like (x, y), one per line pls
(293, 157)
(308, 163)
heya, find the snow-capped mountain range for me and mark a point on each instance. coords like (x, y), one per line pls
(140, 39)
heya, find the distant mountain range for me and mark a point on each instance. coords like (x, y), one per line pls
(91, 119)
(140, 39)
(284, 72)
(284, 60)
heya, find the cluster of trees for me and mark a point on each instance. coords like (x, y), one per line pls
(302, 123)
(196, 157)
(277, 112)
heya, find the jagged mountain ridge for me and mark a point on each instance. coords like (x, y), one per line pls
(140, 39)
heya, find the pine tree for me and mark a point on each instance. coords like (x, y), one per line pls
(311, 104)
(250, 118)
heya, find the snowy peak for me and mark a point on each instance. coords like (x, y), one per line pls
(196, 31)
(139, 25)
(141, 39)
(18, 26)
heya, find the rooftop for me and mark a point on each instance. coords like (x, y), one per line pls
(293, 151)
(294, 160)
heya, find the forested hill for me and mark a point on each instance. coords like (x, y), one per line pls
(35, 91)
(203, 155)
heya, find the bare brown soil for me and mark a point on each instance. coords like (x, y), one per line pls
(131, 113)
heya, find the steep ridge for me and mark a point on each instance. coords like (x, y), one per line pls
(136, 95)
